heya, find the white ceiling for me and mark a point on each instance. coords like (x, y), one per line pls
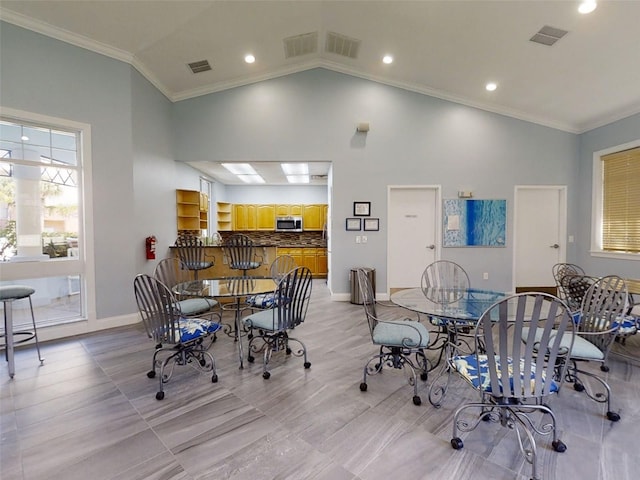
(448, 49)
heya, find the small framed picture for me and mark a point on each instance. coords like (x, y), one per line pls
(361, 209)
(372, 224)
(353, 224)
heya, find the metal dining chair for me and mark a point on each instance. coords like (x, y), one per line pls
(192, 254)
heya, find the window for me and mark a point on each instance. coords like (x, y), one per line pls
(42, 231)
(617, 201)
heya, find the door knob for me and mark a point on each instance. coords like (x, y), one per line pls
(431, 247)
(555, 245)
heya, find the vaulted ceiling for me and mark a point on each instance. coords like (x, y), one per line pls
(448, 49)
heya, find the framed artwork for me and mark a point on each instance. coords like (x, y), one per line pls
(372, 224)
(353, 224)
(474, 223)
(361, 209)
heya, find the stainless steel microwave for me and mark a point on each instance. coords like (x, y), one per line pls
(288, 224)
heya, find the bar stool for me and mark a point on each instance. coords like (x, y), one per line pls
(9, 294)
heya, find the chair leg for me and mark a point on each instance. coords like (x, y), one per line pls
(600, 397)
(35, 332)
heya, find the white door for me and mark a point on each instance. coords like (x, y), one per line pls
(412, 231)
(539, 230)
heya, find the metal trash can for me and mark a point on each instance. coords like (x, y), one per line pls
(355, 288)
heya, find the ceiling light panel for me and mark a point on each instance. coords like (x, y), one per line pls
(295, 168)
(240, 168)
(251, 178)
(298, 178)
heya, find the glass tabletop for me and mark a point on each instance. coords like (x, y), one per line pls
(221, 287)
(466, 304)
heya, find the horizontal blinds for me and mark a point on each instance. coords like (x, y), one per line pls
(621, 201)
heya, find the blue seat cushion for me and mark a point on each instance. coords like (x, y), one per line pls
(196, 306)
(262, 320)
(628, 325)
(401, 334)
(194, 328)
(475, 369)
(197, 265)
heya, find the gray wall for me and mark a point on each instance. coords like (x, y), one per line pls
(282, 194)
(612, 135)
(414, 139)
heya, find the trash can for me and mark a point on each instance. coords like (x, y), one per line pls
(355, 288)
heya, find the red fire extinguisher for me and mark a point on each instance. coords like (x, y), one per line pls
(151, 247)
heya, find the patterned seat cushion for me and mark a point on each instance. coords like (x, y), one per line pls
(263, 300)
(401, 333)
(628, 325)
(194, 328)
(478, 375)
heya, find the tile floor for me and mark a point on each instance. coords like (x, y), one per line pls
(90, 413)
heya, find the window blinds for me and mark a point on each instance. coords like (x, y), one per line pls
(621, 201)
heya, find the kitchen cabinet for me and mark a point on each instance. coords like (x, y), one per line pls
(188, 211)
(266, 217)
(245, 216)
(314, 258)
(287, 210)
(313, 217)
(224, 216)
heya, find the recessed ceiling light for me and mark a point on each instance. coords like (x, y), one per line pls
(387, 59)
(587, 6)
(491, 86)
(298, 178)
(249, 58)
(255, 178)
(24, 138)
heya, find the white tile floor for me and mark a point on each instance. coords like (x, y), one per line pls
(91, 412)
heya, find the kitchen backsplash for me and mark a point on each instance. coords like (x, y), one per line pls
(284, 239)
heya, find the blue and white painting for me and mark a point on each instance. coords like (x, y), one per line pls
(475, 223)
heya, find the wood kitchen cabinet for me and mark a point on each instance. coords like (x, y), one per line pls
(244, 216)
(315, 259)
(266, 217)
(313, 217)
(287, 210)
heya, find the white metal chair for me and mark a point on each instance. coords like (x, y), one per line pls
(270, 329)
(179, 340)
(398, 340)
(170, 272)
(514, 379)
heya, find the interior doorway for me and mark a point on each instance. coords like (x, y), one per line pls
(413, 230)
(540, 226)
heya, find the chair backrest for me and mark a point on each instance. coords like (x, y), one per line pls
(158, 309)
(603, 305)
(240, 251)
(560, 270)
(190, 251)
(531, 365)
(368, 299)
(292, 297)
(574, 287)
(444, 282)
(282, 265)
(170, 272)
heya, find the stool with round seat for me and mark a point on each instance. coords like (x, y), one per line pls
(8, 295)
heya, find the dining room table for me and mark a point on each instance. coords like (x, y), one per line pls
(234, 288)
(455, 312)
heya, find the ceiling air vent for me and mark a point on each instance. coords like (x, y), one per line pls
(342, 45)
(300, 45)
(548, 35)
(199, 67)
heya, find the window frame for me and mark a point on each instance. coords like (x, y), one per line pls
(84, 264)
(597, 204)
